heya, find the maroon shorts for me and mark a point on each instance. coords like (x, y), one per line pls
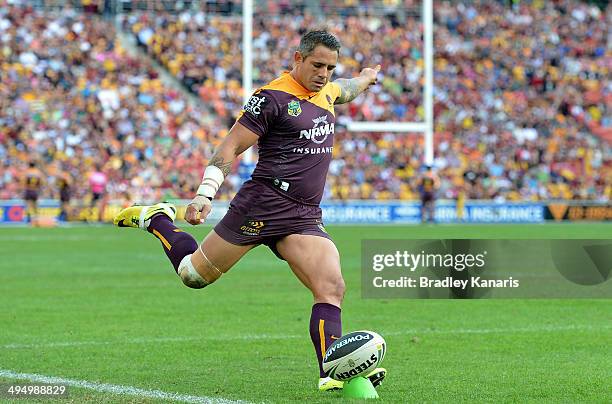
(427, 197)
(30, 195)
(259, 214)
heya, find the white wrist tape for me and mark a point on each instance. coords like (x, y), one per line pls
(211, 181)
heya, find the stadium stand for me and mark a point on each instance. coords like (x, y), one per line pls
(522, 110)
(73, 97)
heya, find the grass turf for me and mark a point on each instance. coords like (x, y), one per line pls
(103, 305)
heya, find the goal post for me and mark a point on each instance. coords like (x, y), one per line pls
(247, 62)
(427, 126)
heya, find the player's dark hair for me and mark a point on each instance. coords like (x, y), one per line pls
(311, 39)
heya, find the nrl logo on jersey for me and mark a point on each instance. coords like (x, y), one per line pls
(294, 108)
(320, 131)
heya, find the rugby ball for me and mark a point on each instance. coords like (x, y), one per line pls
(355, 354)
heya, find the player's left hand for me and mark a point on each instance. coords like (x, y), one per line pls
(370, 74)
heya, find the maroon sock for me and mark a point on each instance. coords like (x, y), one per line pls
(177, 244)
(325, 328)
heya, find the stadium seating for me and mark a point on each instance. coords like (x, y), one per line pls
(522, 110)
(73, 97)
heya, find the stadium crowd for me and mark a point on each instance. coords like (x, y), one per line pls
(74, 101)
(522, 108)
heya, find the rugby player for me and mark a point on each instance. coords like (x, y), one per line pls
(32, 183)
(63, 186)
(292, 120)
(428, 186)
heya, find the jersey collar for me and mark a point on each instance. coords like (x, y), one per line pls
(298, 89)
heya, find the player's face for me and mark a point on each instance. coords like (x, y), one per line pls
(317, 68)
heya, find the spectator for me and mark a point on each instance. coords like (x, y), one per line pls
(522, 108)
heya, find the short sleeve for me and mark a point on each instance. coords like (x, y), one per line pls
(259, 113)
(336, 91)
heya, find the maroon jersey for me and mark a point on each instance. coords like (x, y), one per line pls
(33, 179)
(296, 136)
(428, 184)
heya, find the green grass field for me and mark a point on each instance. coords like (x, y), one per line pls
(103, 305)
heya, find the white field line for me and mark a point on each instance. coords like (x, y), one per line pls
(280, 337)
(113, 388)
(55, 237)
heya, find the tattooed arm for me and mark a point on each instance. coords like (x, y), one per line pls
(351, 88)
(237, 141)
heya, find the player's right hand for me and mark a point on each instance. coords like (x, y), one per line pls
(371, 75)
(197, 210)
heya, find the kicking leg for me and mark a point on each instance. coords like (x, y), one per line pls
(197, 267)
(210, 260)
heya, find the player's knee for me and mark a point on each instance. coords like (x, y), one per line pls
(197, 275)
(339, 288)
(189, 275)
(331, 291)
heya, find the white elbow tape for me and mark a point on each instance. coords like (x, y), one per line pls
(211, 181)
